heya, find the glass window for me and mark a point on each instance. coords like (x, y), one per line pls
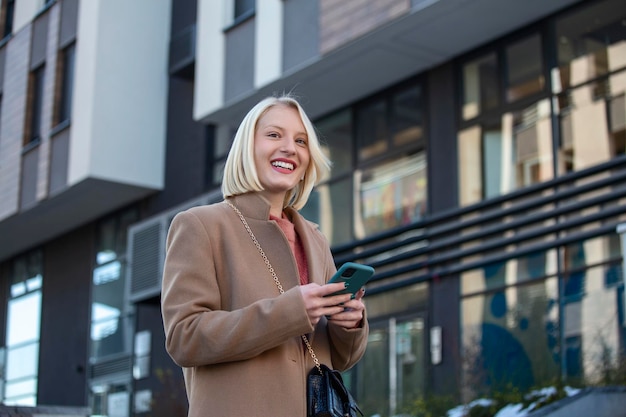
(590, 42)
(23, 331)
(597, 110)
(330, 206)
(110, 316)
(510, 336)
(480, 86)
(524, 68)
(8, 9)
(390, 195)
(372, 129)
(335, 135)
(593, 331)
(66, 69)
(513, 271)
(406, 117)
(390, 122)
(390, 188)
(514, 152)
(36, 85)
(110, 400)
(243, 8)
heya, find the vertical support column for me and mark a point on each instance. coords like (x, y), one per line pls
(621, 230)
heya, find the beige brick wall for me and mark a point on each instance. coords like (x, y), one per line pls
(344, 20)
(13, 117)
(12, 120)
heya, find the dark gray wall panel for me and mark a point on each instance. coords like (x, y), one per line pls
(59, 161)
(300, 32)
(239, 74)
(39, 42)
(442, 150)
(28, 183)
(65, 319)
(69, 19)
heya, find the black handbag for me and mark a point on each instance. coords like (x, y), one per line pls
(327, 396)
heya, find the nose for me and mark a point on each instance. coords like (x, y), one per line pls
(288, 146)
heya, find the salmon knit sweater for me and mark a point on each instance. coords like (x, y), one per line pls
(296, 246)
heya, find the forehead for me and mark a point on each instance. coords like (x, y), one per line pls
(280, 115)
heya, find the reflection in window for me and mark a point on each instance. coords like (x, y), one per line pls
(335, 135)
(510, 336)
(110, 400)
(524, 69)
(406, 116)
(395, 359)
(480, 86)
(23, 331)
(330, 206)
(390, 122)
(594, 333)
(372, 129)
(105, 321)
(584, 115)
(110, 315)
(391, 195)
(514, 153)
(590, 42)
(498, 275)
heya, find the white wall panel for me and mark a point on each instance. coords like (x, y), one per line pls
(209, 74)
(269, 42)
(120, 96)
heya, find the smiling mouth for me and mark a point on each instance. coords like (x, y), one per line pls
(282, 164)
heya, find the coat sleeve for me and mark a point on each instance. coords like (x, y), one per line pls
(198, 329)
(347, 346)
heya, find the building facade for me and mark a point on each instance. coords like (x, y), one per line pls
(479, 153)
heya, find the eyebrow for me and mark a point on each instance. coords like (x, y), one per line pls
(304, 133)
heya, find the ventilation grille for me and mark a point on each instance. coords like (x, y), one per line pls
(146, 254)
(121, 365)
(146, 249)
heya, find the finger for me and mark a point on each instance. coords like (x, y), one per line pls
(360, 293)
(328, 289)
(335, 300)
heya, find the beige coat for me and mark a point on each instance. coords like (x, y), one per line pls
(237, 340)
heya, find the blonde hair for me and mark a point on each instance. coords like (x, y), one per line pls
(240, 172)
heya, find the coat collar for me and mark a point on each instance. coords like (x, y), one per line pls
(252, 205)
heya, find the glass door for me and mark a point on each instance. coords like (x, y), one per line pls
(392, 373)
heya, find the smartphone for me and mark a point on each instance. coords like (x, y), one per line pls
(354, 275)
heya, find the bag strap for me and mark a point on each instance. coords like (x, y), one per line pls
(275, 277)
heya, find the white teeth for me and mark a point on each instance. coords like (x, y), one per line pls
(282, 164)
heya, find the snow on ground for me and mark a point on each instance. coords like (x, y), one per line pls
(512, 410)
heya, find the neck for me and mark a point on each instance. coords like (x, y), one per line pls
(276, 203)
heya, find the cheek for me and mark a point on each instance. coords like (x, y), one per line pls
(305, 159)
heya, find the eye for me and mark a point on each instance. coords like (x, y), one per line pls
(273, 135)
(302, 142)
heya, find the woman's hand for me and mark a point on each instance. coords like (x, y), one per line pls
(352, 314)
(318, 301)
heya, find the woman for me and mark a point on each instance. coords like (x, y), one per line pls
(237, 338)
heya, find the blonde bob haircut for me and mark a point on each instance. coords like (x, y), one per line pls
(240, 171)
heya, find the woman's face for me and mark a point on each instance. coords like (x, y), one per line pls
(281, 149)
